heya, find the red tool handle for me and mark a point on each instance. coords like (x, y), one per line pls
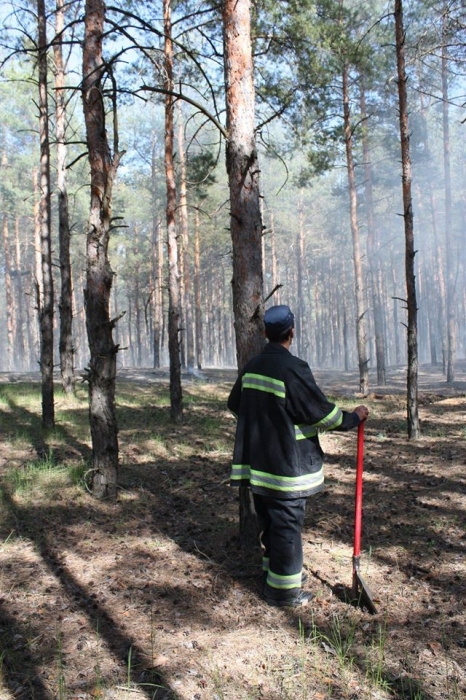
(358, 498)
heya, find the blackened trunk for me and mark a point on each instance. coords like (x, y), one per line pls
(101, 373)
(176, 396)
(66, 347)
(412, 371)
(46, 306)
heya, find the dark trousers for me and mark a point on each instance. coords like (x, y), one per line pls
(281, 523)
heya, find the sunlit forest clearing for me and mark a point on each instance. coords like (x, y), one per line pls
(149, 597)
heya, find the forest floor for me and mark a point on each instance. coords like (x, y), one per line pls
(150, 598)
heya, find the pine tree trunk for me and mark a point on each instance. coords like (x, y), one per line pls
(176, 396)
(156, 263)
(183, 209)
(451, 254)
(358, 277)
(137, 313)
(156, 293)
(375, 270)
(396, 324)
(245, 216)
(66, 347)
(243, 178)
(20, 346)
(273, 255)
(10, 334)
(412, 345)
(101, 373)
(299, 311)
(197, 293)
(440, 282)
(46, 308)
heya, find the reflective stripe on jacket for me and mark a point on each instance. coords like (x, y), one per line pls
(280, 410)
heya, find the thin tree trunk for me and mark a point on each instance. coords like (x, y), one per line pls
(20, 347)
(299, 311)
(245, 215)
(183, 208)
(37, 286)
(8, 296)
(441, 286)
(101, 373)
(157, 262)
(451, 255)
(374, 264)
(197, 293)
(157, 267)
(358, 277)
(412, 372)
(176, 396)
(66, 295)
(273, 255)
(46, 308)
(137, 312)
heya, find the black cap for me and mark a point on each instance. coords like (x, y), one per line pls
(278, 320)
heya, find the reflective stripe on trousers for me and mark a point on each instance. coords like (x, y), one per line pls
(281, 523)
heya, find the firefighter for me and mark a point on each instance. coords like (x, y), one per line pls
(280, 411)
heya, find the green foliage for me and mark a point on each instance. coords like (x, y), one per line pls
(44, 474)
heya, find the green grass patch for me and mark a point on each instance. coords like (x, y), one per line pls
(43, 474)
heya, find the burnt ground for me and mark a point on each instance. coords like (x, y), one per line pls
(151, 598)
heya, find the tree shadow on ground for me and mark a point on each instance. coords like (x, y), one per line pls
(35, 526)
(192, 505)
(20, 422)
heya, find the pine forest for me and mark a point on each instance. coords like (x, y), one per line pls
(328, 142)
(171, 526)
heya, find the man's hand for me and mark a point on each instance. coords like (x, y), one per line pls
(362, 412)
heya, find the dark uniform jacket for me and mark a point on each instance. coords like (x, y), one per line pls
(280, 411)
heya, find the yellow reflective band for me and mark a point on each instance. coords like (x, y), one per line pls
(331, 421)
(240, 471)
(284, 582)
(287, 484)
(263, 383)
(302, 432)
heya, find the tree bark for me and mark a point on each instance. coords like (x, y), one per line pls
(66, 346)
(243, 177)
(20, 346)
(299, 311)
(156, 263)
(10, 334)
(197, 294)
(412, 371)
(358, 277)
(451, 254)
(375, 269)
(273, 257)
(174, 295)
(183, 208)
(46, 307)
(245, 215)
(101, 373)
